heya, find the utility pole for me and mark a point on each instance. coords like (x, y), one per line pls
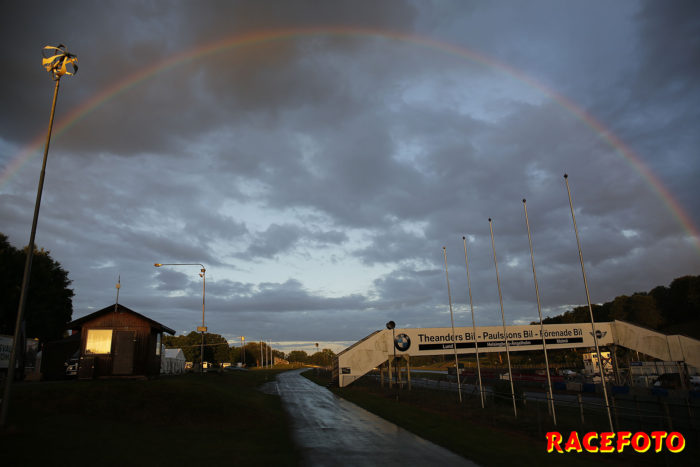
(56, 60)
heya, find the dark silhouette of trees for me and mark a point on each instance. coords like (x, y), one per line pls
(297, 356)
(49, 304)
(323, 358)
(216, 348)
(675, 308)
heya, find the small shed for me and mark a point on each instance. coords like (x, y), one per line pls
(116, 341)
(173, 362)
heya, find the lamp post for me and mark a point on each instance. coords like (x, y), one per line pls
(392, 325)
(539, 311)
(452, 318)
(56, 60)
(202, 328)
(590, 309)
(243, 351)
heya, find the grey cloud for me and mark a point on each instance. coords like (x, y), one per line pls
(406, 287)
(277, 239)
(393, 245)
(670, 44)
(367, 150)
(290, 296)
(274, 240)
(226, 87)
(170, 281)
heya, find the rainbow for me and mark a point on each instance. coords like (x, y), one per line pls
(261, 37)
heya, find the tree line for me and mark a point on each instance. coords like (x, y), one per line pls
(672, 309)
(49, 305)
(218, 350)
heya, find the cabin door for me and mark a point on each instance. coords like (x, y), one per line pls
(123, 363)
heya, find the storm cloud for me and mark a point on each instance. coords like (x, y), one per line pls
(317, 156)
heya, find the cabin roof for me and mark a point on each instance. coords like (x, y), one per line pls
(120, 309)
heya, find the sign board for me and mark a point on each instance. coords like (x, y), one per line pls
(5, 350)
(437, 341)
(201, 329)
(30, 356)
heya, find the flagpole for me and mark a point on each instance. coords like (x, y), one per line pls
(119, 286)
(471, 305)
(539, 310)
(56, 65)
(454, 340)
(503, 317)
(588, 300)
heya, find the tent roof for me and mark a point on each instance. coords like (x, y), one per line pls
(174, 353)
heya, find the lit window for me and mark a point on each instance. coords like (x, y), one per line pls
(99, 341)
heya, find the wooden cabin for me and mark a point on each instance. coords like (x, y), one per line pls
(118, 342)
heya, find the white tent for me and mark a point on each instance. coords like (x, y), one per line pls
(172, 362)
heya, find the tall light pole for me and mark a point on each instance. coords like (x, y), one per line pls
(391, 325)
(56, 60)
(202, 328)
(539, 311)
(243, 350)
(590, 308)
(452, 318)
(503, 317)
(471, 305)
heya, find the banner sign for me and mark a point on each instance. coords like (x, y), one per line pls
(32, 347)
(5, 349)
(436, 341)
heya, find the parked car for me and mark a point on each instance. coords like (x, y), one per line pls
(695, 383)
(72, 364)
(670, 381)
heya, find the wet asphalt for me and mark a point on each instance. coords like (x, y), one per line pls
(331, 431)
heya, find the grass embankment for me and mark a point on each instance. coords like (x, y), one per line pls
(179, 420)
(489, 437)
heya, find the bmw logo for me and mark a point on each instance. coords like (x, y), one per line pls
(402, 342)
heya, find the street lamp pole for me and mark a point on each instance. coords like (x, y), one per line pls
(56, 59)
(243, 351)
(203, 328)
(590, 308)
(391, 325)
(452, 318)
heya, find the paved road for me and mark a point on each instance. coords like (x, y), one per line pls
(331, 431)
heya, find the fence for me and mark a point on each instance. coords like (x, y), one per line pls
(631, 410)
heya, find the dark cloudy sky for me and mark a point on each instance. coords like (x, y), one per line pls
(318, 176)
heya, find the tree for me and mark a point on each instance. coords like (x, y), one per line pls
(669, 309)
(297, 356)
(643, 310)
(252, 354)
(216, 347)
(278, 354)
(190, 345)
(234, 354)
(49, 304)
(684, 299)
(323, 358)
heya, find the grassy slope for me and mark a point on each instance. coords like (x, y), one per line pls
(441, 421)
(189, 419)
